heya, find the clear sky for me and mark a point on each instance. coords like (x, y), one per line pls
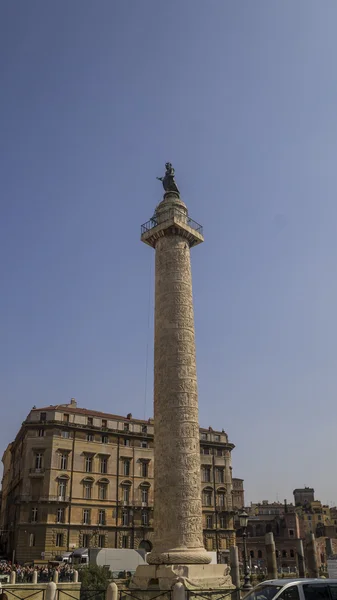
(241, 97)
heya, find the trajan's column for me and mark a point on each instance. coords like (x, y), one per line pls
(178, 532)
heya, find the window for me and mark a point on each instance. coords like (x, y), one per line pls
(104, 423)
(86, 516)
(87, 489)
(292, 553)
(64, 462)
(291, 533)
(143, 444)
(220, 475)
(291, 593)
(85, 541)
(126, 426)
(65, 434)
(145, 495)
(251, 554)
(206, 474)
(145, 518)
(219, 452)
(125, 517)
(43, 417)
(284, 554)
(60, 515)
(38, 461)
(207, 497)
(333, 591)
(209, 521)
(217, 438)
(102, 491)
(277, 553)
(126, 494)
(66, 418)
(309, 517)
(90, 437)
(144, 428)
(316, 592)
(90, 421)
(59, 539)
(32, 539)
(125, 541)
(101, 541)
(105, 439)
(34, 515)
(40, 433)
(88, 464)
(222, 522)
(204, 436)
(61, 489)
(259, 554)
(144, 469)
(126, 442)
(104, 464)
(101, 517)
(221, 499)
(126, 467)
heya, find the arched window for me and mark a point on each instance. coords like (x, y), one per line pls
(207, 496)
(259, 554)
(103, 488)
(144, 492)
(126, 488)
(292, 553)
(87, 487)
(284, 554)
(62, 483)
(251, 554)
(221, 498)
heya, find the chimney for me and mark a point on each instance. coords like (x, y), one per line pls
(73, 403)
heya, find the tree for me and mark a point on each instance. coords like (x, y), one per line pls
(95, 581)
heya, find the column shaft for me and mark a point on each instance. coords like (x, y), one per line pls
(177, 488)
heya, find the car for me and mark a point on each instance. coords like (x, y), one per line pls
(294, 589)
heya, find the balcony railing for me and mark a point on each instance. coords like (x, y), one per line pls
(179, 215)
(36, 498)
(37, 471)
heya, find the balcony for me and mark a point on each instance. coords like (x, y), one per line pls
(166, 220)
(36, 498)
(36, 472)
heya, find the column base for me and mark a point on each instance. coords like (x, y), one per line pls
(179, 556)
(197, 576)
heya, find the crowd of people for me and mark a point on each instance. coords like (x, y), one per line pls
(45, 573)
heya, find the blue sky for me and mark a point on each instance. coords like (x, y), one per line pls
(241, 97)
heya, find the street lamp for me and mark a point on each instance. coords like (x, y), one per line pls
(243, 518)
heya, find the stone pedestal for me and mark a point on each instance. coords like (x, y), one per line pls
(201, 577)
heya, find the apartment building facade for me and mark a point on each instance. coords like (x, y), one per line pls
(79, 478)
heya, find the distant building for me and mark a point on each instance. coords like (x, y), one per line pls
(238, 494)
(279, 519)
(304, 495)
(269, 508)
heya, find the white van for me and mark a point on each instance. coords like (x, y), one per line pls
(295, 589)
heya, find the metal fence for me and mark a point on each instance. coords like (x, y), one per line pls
(169, 214)
(22, 593)
(86, 594)
(214, 594)
(134, 594)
